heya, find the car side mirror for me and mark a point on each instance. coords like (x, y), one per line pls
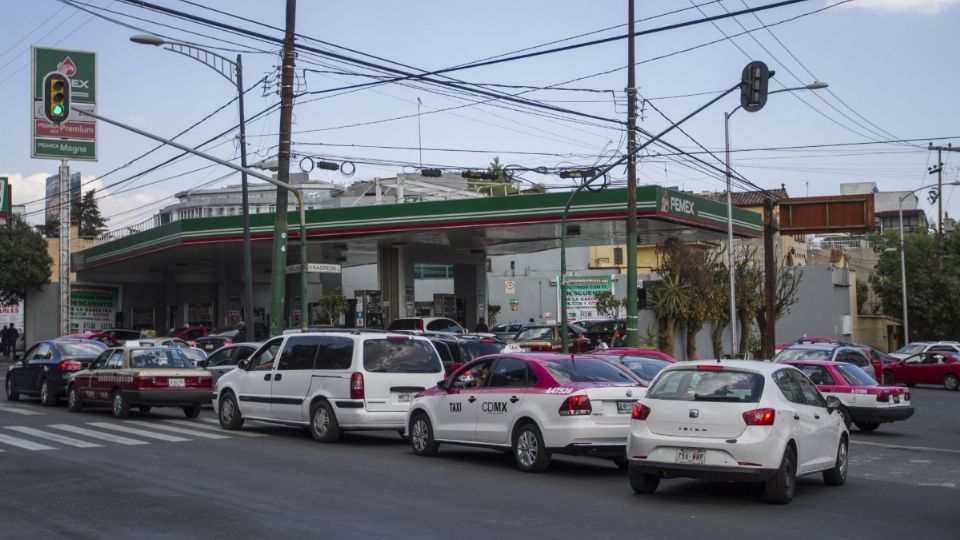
(244, 364)
(833, 404)
(442, 384)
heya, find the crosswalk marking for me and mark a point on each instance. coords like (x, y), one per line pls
(70, 441)
(18, 410)
(198, 425)
(209, 420)
(135, 431)
(175, 429)
(23, 443)
(93, 434)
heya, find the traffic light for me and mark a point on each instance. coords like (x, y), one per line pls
(579, 173)
(56, 97)
(479, 175)
(753, 86)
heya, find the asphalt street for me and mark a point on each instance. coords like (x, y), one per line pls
(87, 475)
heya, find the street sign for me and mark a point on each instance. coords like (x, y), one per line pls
(315, 268)
(510, 286)
(76, 137)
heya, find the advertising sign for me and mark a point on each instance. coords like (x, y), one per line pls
(93, 307)
(200, 314)
(52, 205)
(75, 138)
(12, 313)
(4, 199)
(581, 295)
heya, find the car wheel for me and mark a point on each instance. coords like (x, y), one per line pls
(144, 409)
(74, 403)
(622, 463)
(323, 423)
(47, 397)
(121, 408)
(12, 394)
(845, 414)
(950, 382)
(421, 436)
(780, 488)
(868, 426)
(889, 379)
(837, 476)
(529, 451)
(229, 413)
(192, 411)
(643, 483)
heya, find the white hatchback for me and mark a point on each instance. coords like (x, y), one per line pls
(735, 420)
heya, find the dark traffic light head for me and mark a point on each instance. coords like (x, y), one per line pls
(56, 97)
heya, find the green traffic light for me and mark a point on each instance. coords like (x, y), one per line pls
(58, 110)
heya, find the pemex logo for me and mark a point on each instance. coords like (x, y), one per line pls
(67, 67)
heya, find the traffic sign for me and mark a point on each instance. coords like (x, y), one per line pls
(510, 286)
(76, 136)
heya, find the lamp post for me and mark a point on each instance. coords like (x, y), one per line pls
(233, 72)
(903, 259)
(734, 347)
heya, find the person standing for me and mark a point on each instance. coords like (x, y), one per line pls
(5, 341)
(14, 335)
(482, 326)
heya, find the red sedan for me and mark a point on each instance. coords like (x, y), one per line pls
(924, 368)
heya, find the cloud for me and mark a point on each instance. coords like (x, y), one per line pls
(29, 188)
(923, 7)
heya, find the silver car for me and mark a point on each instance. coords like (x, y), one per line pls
(225, 358)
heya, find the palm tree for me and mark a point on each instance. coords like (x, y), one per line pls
(671, 301)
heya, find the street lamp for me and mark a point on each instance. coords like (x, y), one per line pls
(817, 85)
(903, 258)
(233, 72)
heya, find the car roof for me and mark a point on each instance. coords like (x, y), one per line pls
(817, 346)
(765, 368)
(824, 363)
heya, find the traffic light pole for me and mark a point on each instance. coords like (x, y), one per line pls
(64, 247)
(633, 332)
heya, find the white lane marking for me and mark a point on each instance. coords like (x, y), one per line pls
(209, 420)
(175, 429)
(18, 410)
(904, 447)
(69, 441)
(93, 434)
(23, 443)
(217, 427)
(140, 432)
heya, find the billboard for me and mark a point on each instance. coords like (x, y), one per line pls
(76, 138)
(52, 214)
(581, 295)
(93, 307)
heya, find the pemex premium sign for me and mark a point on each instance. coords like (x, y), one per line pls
(75, 138)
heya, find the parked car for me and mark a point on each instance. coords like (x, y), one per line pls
(163, 342)
(227, 335)
(533, 405)
(103, 337)
(507, 331)
(831, 352)
(329, 382)
(142, 377)
(644, 352)
(861, 400)
(926, 346)
(546, 338)
(599, 330)
(932, 367)
(783, 427)
(226, 358)
(45, 368)
(191, 333)
(808, 340)
(457, 350)
(645, 367)
(426, 324)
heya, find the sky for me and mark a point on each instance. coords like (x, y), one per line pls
(887, 63)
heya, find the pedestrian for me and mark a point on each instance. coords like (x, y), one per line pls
(531, 320)
(14, 336)
(482, 326)
(10, 336)
(5, 341)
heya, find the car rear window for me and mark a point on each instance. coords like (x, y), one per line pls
(82, 349)
(586, 370)
(708, 385)
(537, 333)
(855, 376)
(911, 348)
(803, 354)
(400, 355)
(159, 359)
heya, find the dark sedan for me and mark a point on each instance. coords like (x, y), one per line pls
(46, 367)
(226, 358)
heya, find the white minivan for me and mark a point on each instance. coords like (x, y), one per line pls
(329, 382)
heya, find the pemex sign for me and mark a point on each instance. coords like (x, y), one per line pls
(74, 138)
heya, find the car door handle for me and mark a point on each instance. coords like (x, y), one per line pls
(471, 399)
(796, 417)
(278, 376)
(266, 377)
(514, 399)
(817, 416)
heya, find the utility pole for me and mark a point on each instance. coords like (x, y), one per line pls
(278, 272)
(245, 204)
(65, 247)
(769, 278)
(633, 335)
(938, 168)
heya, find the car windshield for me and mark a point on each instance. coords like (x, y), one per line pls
(400, 355)
(582, 369)
(536, 333)
(803, 354)
(708, 385)
(193, 354)
(159, 359)
(911, 348)
(223, 330)
(476, 349)
(855, 376)
(645, 368)
(598, 326)
(92, 348)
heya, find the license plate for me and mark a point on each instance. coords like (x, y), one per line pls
(896, 398)
(176, 383)
(693, 456)
(625, 407)
(406, 397)
(208, 347)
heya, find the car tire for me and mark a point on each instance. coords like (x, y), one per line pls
(12, 394)
(228, 413)
(643, 483)
(889, 379)
(119, 405)
(868, 426)
(781, 488)
(145, 409)
(837, 476)
(192, 411)
(622, 463)
(323, 423)
(845, 414)
(951, 382)
(529, 451)
(421, 436)
(74, 402)
(47, 398)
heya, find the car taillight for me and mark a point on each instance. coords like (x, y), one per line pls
(356, 386)
(906, 396)
(67, 365)
(576, 406)
(640, 411)
(711, 367)
(205, 382)
(150, 382)
(423, 327)
(883, 398)
(760, 417)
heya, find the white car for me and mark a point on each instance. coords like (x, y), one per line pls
(329, 382)
(532, 404)
(735, 420)
(926, 346)
(437, 325)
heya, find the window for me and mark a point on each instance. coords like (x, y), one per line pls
(116, 360)
(618, 256)
(537, 333)
(942, 348)
(81, 349)
(221, 358)
(511, 373)
(405, 324)
(803, 354)
(335, 353)
(42, 352)
(645, 368)
(818, 375)
(446, 354)
(708, 385)
(299, 353)
(786, 384)
(586, 370)
(854, 358)
(473, 376)
(243, 353)
(263, 359)
(443, 325)
(400, 355)
(811, 396)
(483, 347)
(101, 360)
(157, 359)
(855, 376)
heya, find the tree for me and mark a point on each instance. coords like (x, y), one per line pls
(87, 212)
(863, 292)
(502, 185)
(786, 294)
(493, 310)
(670, 300)
(331, 306)
(608, 305)
(24, 261)
(749, 292)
